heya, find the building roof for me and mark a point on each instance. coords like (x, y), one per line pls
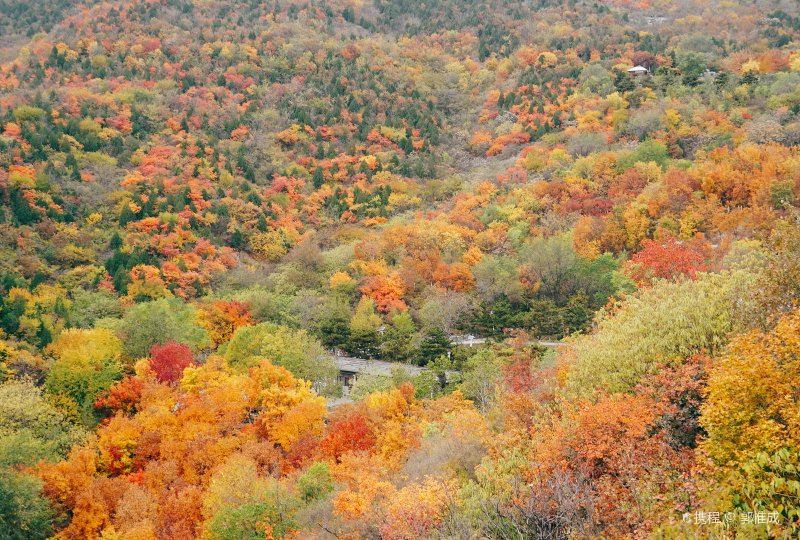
(373, 367)
(360, 366)
(638, 69)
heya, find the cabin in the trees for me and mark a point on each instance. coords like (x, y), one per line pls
(638, 71)
(350, 368)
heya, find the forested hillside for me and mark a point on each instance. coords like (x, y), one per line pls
(572, 226)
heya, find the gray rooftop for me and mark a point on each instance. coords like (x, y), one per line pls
(373, 367)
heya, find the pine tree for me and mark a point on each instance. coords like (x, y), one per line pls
(126, 215)
(238, 240)
(43, 335)
(319, 178)
(435, 344)
(334, 330)
(116, 241)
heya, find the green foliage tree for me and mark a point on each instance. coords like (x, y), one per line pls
(157, 322)
(25, 514)
(481, 375)
(365, 324)
(691, 66)
(90, 306)
(656, 326)
(241, 504)
(496, 277)
(397, 342)
(649, 150)
(493, 317)
(87, 363)
(316, 482)
(771, 483)
(366, 384)
(334, 328)
(623, 82)
(296, 350)
(31, 429)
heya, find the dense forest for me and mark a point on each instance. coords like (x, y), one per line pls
(571, 226)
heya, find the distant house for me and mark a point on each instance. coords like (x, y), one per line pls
(638, 71)
(350, 368)
(466, 340)
(708, 75)
(656, 19)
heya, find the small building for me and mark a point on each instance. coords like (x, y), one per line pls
(655, 19)
(638, 71)
(350, 368)
(708, 75)
(467, 340)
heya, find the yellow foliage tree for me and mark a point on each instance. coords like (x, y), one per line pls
(289, 408)
(79, 346)
(753, 400)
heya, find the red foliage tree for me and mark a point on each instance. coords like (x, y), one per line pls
(301, 453)
(670, 259)
(123, 396)
(348, 434)
(169, 360)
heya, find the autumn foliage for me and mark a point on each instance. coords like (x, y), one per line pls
(169, 360)
(670, 259)
(563, 295)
